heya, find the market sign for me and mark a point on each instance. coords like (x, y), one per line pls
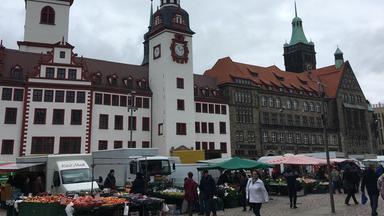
(66, 165)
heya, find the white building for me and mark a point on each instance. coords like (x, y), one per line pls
(54, 102)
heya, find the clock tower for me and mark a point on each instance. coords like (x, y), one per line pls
(171, 77)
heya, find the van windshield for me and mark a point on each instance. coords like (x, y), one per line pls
(76, 176)
(155, 167)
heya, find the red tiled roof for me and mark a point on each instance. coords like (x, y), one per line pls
(225, 69)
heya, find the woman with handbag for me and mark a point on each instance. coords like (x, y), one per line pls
(291, 175)
(256, 193)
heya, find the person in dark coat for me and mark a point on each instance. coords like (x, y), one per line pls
(110, 181)
(370, 183)
(139, 185)
(349, 185)
(242, 189)
(208, 190)
(26, 187)
(190, 188)
(37, 186)
(291, 175)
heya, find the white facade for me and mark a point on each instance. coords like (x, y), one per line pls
(38, 32)
(163, 74)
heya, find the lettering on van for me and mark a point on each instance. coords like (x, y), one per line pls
(74, 165)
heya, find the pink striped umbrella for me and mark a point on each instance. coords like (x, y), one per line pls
(297, 160)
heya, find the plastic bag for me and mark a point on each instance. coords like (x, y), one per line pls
(364, 199)
(69, 209)
(126, 210)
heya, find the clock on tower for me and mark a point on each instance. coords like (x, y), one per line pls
(179, 49)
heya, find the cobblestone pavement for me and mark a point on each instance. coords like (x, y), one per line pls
(311, 205)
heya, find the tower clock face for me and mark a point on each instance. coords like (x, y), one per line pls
(157, 52)
(179, 49)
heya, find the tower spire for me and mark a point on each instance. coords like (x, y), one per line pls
(295, 10)
(151, 15)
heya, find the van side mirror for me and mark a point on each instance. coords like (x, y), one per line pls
(100, 179)
(56, 179)
(133, 167)
(174, 166)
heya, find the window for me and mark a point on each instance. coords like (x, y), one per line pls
(17, 73)
(70, 97)
(264, 101)
(290, 138)
(48, 96)
(131, 144)
(295, 105)
(98, 98)
(305, 107)
(7, 94)
(146, 103)
(205, 108)
(289, 104)
(197, 145)
(80, 97)
(132, 123)
(139, 102)
(145, 144)
(306, 139)
(223, 147)
(72, 74)
(107, 99)
(318, 109)
(18, 95)
(198, 107)
(70, 145)
(42, 145)
(103, 145)
(61, 73)
(123, 101)
(10, 115)
(271, 102)
(211, 128)
(203, 127)
(47, 16)
(115, 100)
(118, 144)
(197, 127)
(265, 136)
(178, 19)
(180, 104)
(217, 109)
(282, 137)
(50, 73)
(7, 147)
(211, 108)
(180, 83)
(274, 137)
(298, 138)
(278, 103)
(205, 146)
(223, 128)
(58, 117)
(40, 116)
(312, 107)
(211, 146)
(181, 129)
(223, 109)
(62, 54)
(145, 123)
(37, 95)
(160, 129)
(103, 121)
(59, 97)
(76, 117)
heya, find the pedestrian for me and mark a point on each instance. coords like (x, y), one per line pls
(208, 190)
(256, 193)
(242, 189)
(26, 187)
(370, 183)
(335, 178)
(37, 186)
(291, 175)
(349, 185)
(190, 188)
(139, 184)
(110, 181)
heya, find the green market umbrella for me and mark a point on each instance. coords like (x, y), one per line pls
(237, 164)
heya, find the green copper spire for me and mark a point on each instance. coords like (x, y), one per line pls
(298, 35)
(151, 15)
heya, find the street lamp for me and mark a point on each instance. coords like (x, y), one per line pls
(325, 134)
(131, 109)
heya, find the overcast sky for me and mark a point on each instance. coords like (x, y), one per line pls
(249, 31)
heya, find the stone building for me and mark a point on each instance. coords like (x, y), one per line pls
(275, 112)
(379, 122)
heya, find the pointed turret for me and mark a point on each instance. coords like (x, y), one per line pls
(339, 58)
(299, 54)
(146, 42)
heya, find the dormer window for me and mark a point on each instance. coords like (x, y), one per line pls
(112, 80)
(157, 20)
(62, 54)
(195, 90)
(17, 73)
(128, 82)
(178, 19)
(97, 78)
(47, 16)
(142, 84)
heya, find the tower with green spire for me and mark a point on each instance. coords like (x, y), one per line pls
(299, 54)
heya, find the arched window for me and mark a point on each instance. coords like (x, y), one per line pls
(17, 73)
(97, 78)
(47, 16)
